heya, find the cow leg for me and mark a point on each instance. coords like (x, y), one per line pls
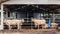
(18, 26)
(9, 27)
(38, 26)
(35, 25)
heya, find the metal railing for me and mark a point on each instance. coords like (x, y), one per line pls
(29, 23)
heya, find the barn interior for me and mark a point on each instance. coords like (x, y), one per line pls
(37, 11)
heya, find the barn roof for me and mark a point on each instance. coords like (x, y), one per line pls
(32, 2)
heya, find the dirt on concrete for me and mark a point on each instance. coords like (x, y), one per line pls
(29, 32)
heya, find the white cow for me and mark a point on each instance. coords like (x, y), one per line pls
(14, 22)
(54, 25)
(38, 22)
(45, 26)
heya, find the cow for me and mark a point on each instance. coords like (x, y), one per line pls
(38, 22)
(14, 22)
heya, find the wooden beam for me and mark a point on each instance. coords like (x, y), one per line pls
(2, 16)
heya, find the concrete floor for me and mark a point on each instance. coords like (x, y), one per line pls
(27, 31)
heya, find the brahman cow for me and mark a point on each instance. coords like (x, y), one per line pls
(14, 22)
(54, 25)
(38, 22)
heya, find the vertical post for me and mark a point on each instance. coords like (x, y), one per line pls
(49, 20)
(53, 17)
(6, 14)
(49, 23)
(2, 16)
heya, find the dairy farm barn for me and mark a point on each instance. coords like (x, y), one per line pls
(30, 17)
